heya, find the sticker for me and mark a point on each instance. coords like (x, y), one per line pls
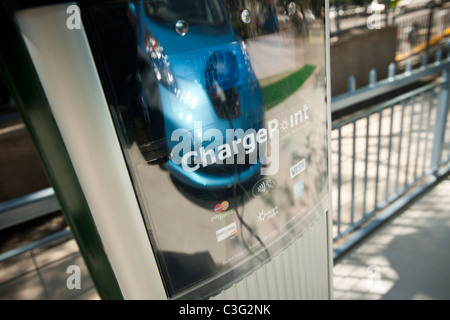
(262, 187)
(296, 169)
(221, 207)
(265, 216)
(299, 188)
(226, 232)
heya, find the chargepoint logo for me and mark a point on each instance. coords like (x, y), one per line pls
(203, 148)
(199, 148)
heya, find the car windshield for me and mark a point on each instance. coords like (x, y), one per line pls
(195, 12)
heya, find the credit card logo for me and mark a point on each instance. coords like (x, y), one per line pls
(296, 169)
(226, 232)
(221, 207)
(299, 189)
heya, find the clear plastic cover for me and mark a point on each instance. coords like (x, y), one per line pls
(220, 109)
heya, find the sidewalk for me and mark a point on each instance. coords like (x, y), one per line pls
(407, 258)
(41, 274)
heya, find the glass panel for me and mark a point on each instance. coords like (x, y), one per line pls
(220, 109)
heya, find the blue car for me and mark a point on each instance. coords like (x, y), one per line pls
(209, 95)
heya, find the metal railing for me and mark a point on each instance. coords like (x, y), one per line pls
(382, 153)
(28, 207)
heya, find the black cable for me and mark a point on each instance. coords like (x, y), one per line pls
(235, 202)
(241, 219)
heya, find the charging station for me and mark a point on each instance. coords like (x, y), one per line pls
(192, 138)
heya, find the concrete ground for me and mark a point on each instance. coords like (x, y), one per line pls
(406, 259)
(42, 274)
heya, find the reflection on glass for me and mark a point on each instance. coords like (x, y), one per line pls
(197, 12)
(206, 82)
(222, 124)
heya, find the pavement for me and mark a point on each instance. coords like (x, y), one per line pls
(406, 259)
(44, 274)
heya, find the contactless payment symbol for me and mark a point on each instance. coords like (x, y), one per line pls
(221, 207)
(262, 187)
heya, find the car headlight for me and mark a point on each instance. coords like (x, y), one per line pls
(160, 62)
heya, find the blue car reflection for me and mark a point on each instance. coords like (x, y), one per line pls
(204, 77)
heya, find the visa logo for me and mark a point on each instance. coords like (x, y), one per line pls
(297, 168)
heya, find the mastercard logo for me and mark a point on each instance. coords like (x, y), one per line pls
(221, 207)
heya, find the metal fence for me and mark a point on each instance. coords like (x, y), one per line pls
(417, 32)
(382, 153)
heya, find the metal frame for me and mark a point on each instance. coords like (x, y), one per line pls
(26, 89)
(421, 137)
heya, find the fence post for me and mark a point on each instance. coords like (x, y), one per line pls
(408, 67)
(391, 71)
(351, 84)
(338, 27)
(424, 61)
(372, 77)
(386, 11)
(441, 121)
(438, 57)
(430, 25)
